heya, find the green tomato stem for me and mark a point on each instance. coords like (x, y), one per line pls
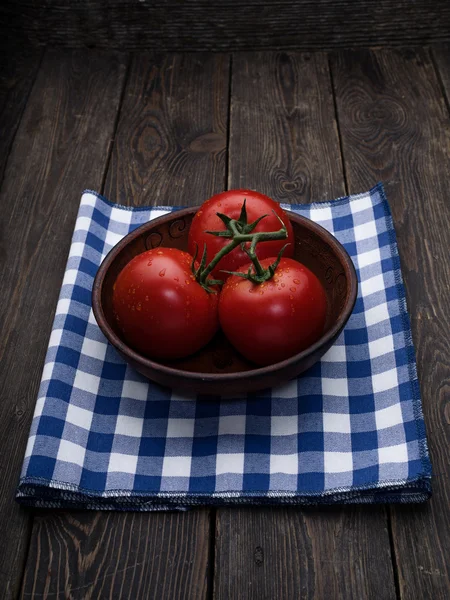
(242, 238)
(239, 233)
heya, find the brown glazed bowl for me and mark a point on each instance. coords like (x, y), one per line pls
(218, 368)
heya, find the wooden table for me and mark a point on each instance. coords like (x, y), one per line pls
(174, 129)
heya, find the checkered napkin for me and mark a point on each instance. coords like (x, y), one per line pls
(350, 430)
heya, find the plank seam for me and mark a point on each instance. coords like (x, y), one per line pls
(116, 123)
(439, 79)
(338, 126)
(395, 568)
(227, 155)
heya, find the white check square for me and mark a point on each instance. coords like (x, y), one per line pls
(176, 466)
(88, 199)
(389, 417)
(121, 216)
(83, 224)
(122, 463)
(335, 387)
(229, 463)
(360, 204)
(382, 346)
(393, 454)
(76, 249)
(385, 381)
(365, 259)
(86, 382)
(377, 314)
(336, 423)
(130, 426)
(94, 349)
(365, 231)
(79, 416)
(338, 462)
(70, 277)
(284, 463)
(372, 285)
(71, 453)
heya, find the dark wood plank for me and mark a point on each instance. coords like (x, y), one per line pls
(169, 149)
(283, 133)
(218, 25)
(284, 142)
(291, 553)
(17, 73)
(60, 148)
(395, 128)
(171, 140)
(100, 555)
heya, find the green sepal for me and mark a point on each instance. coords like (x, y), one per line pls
(225, 233)
(224, 218)
(243, 215)
(249, 228)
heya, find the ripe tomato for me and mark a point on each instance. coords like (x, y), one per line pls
(230, 203)
(272, 321)
(160, 308)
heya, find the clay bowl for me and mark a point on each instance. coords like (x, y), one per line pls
(218, 368)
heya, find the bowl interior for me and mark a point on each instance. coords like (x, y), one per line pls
(313, 247)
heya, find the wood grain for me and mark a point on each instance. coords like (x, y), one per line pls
(283, 135)
(227, 24)
(396, 128)
(60, 148)
(171, 140)
(289, 553)
(85, 556)
(284, 142)
(168, 150)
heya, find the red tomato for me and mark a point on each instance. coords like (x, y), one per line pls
(230, 203)
(272, 321)
(160, 308)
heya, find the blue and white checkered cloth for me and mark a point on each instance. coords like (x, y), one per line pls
(350, 430)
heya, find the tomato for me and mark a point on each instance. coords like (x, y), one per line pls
(272, 321)
(230, 203)
(160, 308)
